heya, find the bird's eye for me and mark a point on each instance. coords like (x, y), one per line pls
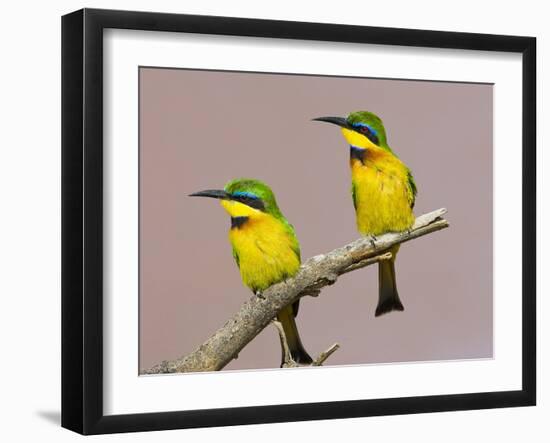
(363, 129)
(368, 132)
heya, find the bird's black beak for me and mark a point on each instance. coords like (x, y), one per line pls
(212, 193)
(339, 121)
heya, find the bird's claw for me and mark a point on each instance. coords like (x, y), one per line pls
(260, 295)
(372, 240)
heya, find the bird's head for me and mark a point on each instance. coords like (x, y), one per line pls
(245, 197)
(361, 129)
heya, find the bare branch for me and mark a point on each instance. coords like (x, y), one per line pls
(325, 354)
(317, 272)
(288, 361)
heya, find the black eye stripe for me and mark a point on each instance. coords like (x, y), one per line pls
(366, 131)
(370, 135)
(255, 203)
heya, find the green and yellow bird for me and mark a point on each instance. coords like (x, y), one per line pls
(265, 247)
(383, 192)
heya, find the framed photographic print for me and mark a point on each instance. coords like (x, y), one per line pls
(269, 221)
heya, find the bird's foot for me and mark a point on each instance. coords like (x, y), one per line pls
(289, 363)
(260, 295)
(372, 240)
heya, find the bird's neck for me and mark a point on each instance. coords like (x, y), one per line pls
(239, 222)
(357, 154)
(256, 221)
(377, 158)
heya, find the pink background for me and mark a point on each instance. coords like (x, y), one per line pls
(199, 129)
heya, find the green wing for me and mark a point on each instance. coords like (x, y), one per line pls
(354, 195)
(412, 188)
(236, 256)
(295, 244)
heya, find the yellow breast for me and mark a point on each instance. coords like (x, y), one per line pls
(264, 248)
(382, 194)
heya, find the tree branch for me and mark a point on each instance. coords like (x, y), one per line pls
(287, 357)
(317, 272)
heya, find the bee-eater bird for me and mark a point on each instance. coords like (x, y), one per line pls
(265, 247)
(383, 192)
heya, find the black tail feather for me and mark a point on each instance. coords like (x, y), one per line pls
(296, 348)
(388, 297)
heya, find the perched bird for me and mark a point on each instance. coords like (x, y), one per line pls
(265, 247)
(383, 192)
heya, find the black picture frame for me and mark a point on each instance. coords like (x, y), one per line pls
(82, 220)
